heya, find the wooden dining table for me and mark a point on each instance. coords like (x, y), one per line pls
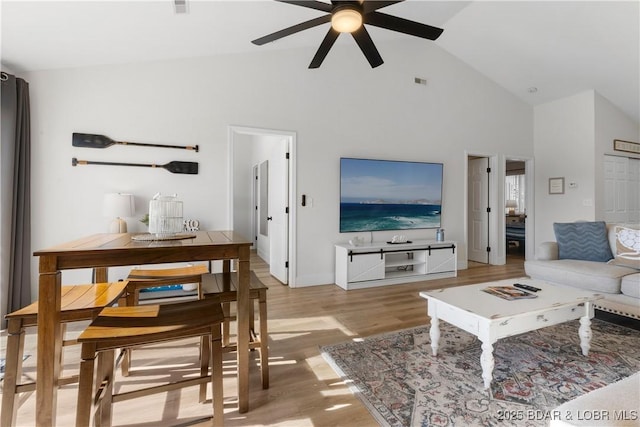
(101, 251)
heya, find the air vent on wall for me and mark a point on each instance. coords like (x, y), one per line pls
(180, 6)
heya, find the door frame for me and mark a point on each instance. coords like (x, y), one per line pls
(498, 256)
(290, 137)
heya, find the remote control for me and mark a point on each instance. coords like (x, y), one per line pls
(526, 287)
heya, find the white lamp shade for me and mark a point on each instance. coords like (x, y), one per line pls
(511, 205)
(117, 206)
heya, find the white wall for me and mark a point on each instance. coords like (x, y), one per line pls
(610, 124)
(564, 147)
(571, 137)
(243, 161)
(337, 110)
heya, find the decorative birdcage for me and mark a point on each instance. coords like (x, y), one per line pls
(165, 215)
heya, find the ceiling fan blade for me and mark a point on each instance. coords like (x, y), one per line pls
(317, 5)
(370, 6)
(292, 30)
(402, 25)
(367, 47)
(324, 48)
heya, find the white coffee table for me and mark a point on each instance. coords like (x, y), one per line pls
(491, 318)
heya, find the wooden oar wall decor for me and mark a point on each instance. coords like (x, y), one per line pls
(190, 168)
(87, 140)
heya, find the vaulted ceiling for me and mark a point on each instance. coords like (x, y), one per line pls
(558, 47)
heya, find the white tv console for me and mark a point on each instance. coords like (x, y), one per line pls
(379, 264)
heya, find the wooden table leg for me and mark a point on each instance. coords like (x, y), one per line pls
(243, 330)
(49, 342)
(101, 274)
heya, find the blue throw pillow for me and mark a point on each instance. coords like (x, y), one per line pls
(583, 240)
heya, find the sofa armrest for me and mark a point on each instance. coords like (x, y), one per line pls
(547, 251)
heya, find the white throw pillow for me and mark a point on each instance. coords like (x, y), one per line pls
(627, 247)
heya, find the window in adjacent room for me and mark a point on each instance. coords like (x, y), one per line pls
(514, 185)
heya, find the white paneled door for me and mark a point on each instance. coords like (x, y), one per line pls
(478, 226)
(621, 189)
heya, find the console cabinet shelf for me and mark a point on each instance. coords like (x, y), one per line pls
(379, 264)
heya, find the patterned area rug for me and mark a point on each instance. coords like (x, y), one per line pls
(402, 384)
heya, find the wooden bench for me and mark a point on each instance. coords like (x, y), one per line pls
(140, 279)
(78, 303)
(224, 286)
(117, 327)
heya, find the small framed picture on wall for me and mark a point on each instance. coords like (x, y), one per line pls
(556, 185)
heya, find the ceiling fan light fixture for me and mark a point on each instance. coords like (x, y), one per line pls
(351, 16)
(346, 20)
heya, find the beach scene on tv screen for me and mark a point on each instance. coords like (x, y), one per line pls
(380, 195)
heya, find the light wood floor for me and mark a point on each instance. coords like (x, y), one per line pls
(304, 390)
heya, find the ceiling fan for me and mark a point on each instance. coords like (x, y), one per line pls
(350, 17)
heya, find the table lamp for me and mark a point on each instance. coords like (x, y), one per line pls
(118, 206)
(511, 205)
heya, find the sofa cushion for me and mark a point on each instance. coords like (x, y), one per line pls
(627, 247)
(630, 286)
(585, 241)
(587, 275)
(547, 251)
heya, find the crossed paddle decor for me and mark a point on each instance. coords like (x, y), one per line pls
(100, 141)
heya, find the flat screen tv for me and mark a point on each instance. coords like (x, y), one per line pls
(378, 195)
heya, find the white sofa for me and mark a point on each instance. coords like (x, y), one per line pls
(620, 285)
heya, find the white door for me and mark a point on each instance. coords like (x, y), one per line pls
(615, 188)
(278, 212)
(634, 191)
(621, 188)
(478, 217)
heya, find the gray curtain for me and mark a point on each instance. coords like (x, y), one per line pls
(15, 176)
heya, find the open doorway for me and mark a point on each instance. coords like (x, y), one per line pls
(515, 210)
(488, 194)
(518, 209)
(264, 211)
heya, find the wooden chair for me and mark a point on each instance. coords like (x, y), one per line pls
(78, 303)
(117, 327)
(224, 287)
(140, 279)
